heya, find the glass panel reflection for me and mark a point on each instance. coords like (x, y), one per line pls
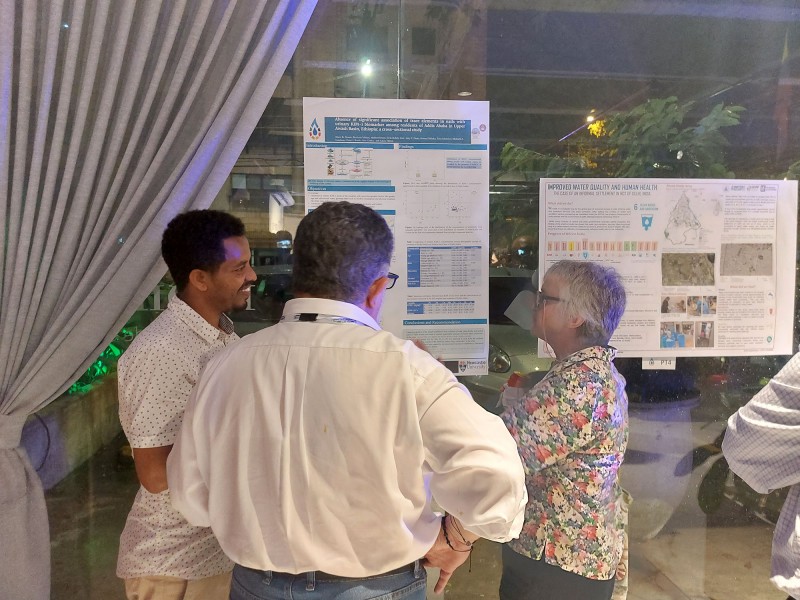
(577, 88)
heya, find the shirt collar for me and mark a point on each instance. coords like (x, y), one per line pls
(606, 353)
(324, 306)
(198, 324)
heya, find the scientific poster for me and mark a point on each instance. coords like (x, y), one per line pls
(423, 165)
(709, 265)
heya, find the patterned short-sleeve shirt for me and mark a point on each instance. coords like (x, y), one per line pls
(156, 376)
(571, 430)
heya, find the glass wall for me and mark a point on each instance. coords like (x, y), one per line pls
(622, 88)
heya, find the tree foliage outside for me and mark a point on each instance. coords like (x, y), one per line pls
(653, 139)
(658, 138)
(661, 137)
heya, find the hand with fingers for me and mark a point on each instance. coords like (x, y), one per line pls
(450, 550)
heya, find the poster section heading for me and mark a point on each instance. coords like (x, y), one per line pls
(708, 265)
(386, 129)
(350, 186)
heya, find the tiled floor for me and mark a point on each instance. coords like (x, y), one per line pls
(695, 557)
(87, 511)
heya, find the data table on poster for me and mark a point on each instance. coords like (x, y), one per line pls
(444, 307)
(444, 266)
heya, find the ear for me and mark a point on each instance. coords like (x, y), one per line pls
(374, 292)
(199, 280)
(575, 322)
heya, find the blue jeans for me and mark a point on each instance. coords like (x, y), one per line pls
(250, 584)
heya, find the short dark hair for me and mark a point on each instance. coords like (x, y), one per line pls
(340, 248)
(194, 240)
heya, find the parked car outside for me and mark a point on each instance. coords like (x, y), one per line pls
(511, 348)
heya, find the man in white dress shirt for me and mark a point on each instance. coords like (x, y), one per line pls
(761, 446)
(161, 556)
(313, 448)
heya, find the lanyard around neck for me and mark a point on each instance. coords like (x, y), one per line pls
(320, 318)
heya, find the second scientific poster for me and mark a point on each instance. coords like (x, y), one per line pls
(709, 265)
(424, 165)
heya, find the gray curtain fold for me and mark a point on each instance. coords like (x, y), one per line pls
(114, 117)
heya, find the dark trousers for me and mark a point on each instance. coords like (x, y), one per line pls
(528, 579)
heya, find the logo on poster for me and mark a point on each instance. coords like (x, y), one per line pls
(471, 365)
(315, 131)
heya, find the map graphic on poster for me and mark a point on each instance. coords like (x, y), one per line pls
(709, 265)
(683, 226)
(424, 166)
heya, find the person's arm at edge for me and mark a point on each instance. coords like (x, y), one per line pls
(140, 398)
(475, 469)
(771, 420)
(447, 557)
(151, 467)
(188, 489)
(476, 473)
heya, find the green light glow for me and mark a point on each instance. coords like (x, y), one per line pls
(104, 363)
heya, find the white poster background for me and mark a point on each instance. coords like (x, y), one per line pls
(709, 265)
(424, 165)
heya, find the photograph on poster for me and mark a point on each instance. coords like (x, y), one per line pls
(677, 334)
(746, 260)
(710, 305)
(705, 334)
(673, 304)
(687, 269)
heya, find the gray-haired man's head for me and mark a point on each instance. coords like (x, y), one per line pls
(340, 249)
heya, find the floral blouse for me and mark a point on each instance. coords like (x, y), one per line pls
(571, 430)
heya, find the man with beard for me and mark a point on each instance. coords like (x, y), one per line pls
(161, 556)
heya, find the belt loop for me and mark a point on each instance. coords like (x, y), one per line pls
(267, 578)
(417, 569)
(311, 581)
